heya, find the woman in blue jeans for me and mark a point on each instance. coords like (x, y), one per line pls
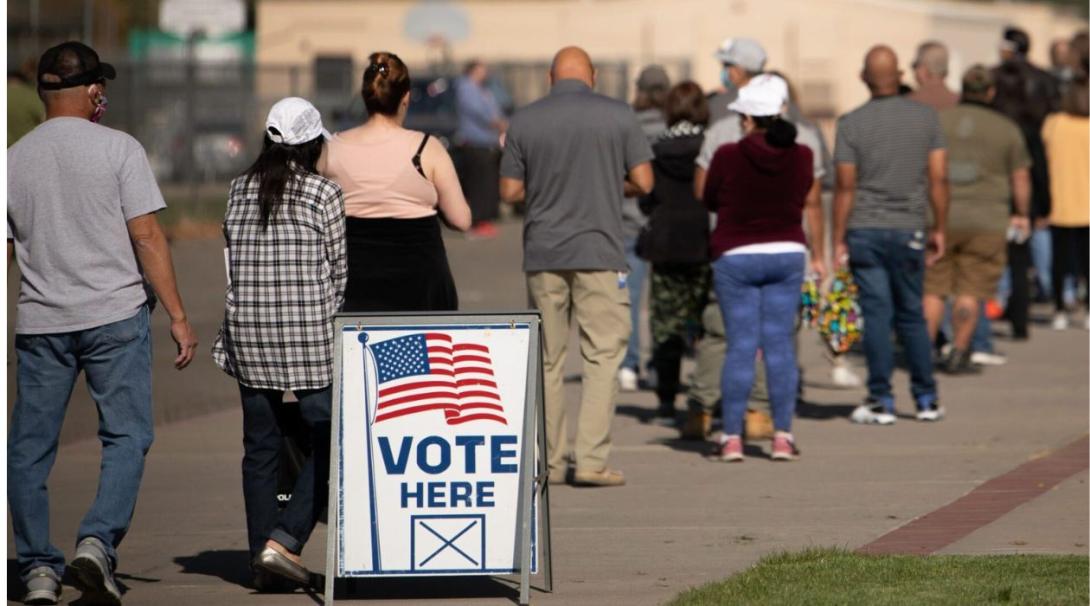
(285, 232)
(759, 188)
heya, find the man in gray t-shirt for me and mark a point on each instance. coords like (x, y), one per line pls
(890, 163)
(81, 224)
(573, 156)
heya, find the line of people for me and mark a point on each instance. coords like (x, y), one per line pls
(324, 223)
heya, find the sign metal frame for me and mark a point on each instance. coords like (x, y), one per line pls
(533, 475)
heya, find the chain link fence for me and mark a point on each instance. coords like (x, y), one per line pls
(202, 124)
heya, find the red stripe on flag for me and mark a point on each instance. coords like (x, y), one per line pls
(477, 369)
(477, 417)
(477, 382)
(462, 395)
(438, 336)
(453, 395)
(459, 359)
(389, 391)
(393, 414)
(471, 347)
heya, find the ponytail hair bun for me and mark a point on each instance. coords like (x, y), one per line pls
(778, 132)
(385, 83)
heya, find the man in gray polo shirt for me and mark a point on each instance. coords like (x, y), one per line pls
(890, 163)
(81, 223)
(573, 156)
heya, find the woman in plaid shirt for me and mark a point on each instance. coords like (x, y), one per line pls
(286, 277)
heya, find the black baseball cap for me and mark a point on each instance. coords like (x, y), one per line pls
(72, 64)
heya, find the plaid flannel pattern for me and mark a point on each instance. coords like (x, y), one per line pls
(286, 282)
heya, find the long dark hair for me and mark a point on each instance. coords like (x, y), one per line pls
(778, 132)
(278, 168)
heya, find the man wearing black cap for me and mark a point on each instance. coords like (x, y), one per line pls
(81, 223)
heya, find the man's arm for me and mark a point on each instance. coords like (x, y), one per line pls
(843, 200)
(940, 201)
(639, 181)
(1021, 191)
(815, 220)
(150, 245)
(512, 191)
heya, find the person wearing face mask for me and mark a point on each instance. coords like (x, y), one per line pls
(81, 224)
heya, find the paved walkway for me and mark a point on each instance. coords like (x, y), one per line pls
(681, 521)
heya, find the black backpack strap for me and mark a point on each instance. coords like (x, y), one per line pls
(416, 158)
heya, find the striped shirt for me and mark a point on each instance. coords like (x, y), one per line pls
(889, 139)
(285, 283)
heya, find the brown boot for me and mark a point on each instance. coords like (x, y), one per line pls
(605, 477)
(697, 424)
(758, 425)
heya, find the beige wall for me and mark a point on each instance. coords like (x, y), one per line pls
(818, 43)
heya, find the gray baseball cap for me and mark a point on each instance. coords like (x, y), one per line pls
(746, 53)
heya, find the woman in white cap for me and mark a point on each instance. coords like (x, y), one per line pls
(759, 187)
(397, 184)
(287, 268)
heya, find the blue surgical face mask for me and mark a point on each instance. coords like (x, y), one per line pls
(724, 77)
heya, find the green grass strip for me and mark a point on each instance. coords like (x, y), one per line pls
(831, 576)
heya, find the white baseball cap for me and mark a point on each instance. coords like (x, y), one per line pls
(746, 53)
(764, 95)
(293, 120)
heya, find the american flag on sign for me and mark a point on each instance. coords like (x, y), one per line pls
(428, 371)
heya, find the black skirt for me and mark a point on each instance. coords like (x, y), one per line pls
(398, 265)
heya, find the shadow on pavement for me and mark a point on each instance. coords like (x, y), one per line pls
(822, 412)
(231, 565)
(426, 588)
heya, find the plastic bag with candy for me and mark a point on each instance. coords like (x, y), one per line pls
(810, 306)
(840, 320)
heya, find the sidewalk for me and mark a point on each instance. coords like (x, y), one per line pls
(681, 520)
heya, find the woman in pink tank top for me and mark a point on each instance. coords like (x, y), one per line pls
(397, 184)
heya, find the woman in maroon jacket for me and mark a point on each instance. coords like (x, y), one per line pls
(759, 187)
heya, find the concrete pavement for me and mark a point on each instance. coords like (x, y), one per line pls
(681, 520)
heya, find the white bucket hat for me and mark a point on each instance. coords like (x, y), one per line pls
(764, 95)
(293, 120)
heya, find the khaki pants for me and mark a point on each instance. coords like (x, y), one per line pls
(601, 309)
(711, 350)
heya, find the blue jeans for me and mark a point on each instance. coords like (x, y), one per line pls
(261, 441)
(116, 358)
(637, 273)
(1040, 246)
(759, 297)
(888, 266)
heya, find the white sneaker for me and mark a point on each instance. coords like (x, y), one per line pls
(1060, 321)
(984, 358)
(934, 413)
(843, 376)
(629, 380)
(873, 414)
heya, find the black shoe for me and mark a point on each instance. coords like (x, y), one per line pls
(959, 362)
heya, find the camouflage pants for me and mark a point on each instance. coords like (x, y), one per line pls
(678, 293)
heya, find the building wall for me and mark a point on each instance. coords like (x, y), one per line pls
(819, 44)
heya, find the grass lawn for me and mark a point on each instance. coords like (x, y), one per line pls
(829, 576)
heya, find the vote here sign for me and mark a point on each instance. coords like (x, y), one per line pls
(431, 439)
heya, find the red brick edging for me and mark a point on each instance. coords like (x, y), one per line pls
(984, 504)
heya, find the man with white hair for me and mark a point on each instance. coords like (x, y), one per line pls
(931, 66)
